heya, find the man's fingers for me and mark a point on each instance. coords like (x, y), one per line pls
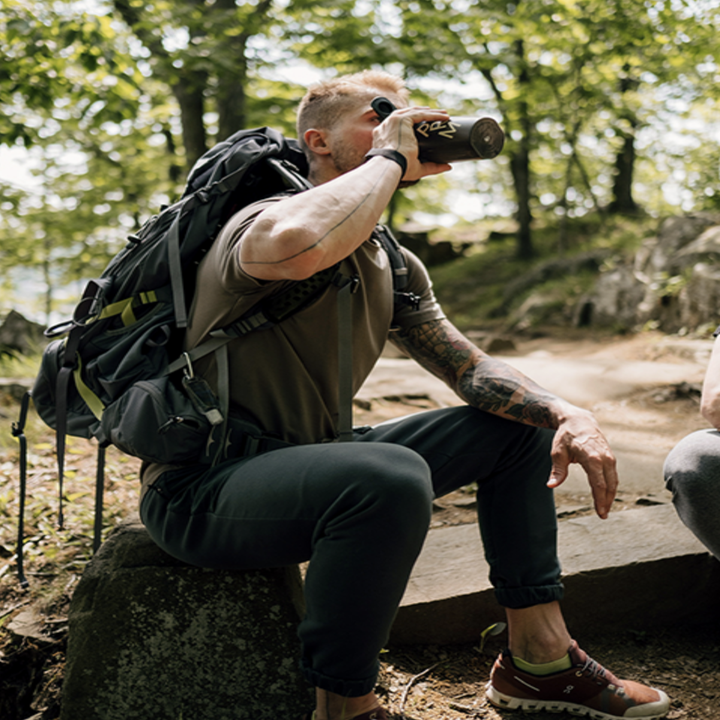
(397, 132)
(603, 478)
(434, 168)
(559, 472)
(577, 442)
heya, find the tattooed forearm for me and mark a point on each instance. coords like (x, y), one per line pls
(437, 348)
(482, 381)
(494, 386)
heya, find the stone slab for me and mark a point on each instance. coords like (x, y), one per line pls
(639, 569)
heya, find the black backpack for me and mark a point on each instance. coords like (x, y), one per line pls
(116, 375)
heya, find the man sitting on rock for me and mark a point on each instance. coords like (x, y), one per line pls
(692, 469)
(359, 511)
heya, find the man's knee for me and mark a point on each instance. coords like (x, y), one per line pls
(394, 477)
(693, 464)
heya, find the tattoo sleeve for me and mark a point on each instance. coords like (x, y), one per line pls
(478, 379)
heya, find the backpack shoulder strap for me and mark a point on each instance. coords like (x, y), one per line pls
(399, 267)
(261, 316)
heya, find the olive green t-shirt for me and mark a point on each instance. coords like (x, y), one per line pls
(285, 378)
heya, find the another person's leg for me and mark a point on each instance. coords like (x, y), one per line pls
(692, 474)
(359, 514)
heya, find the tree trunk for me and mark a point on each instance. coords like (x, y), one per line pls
(231, 103)
(175, 170)
(623, 201)
(520, 163)
(230, 98)
(190, 97)
(520, 166)
(188, 87)
(47, 275)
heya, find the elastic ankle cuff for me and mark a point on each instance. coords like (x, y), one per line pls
(518, 598)
(346, 688)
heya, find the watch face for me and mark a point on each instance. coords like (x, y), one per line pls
(717, 332)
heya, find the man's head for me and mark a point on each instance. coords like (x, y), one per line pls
(328, 110)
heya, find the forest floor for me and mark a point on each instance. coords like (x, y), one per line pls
(417, 682)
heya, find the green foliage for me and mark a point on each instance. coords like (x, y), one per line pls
(274, 103)
(19, 366)
(58, 64)
(117, 101)
(573, 81)
(345, 35)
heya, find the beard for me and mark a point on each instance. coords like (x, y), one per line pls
(347, 157)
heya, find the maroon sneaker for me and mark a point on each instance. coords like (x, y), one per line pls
(586, 688)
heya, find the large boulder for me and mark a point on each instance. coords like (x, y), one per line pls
(155, 639)
(699, 299)
(670, 283)
(613, 302)
(20, 335)
(674, 234)
(704, 247)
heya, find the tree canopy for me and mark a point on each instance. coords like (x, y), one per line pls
(607, 106)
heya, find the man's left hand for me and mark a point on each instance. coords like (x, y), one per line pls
(578, 439)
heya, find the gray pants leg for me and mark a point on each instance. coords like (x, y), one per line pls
(692, 474)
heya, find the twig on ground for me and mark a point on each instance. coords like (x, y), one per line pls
(6, 611)
(409, 685)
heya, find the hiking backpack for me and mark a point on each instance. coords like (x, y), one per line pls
(115, 375)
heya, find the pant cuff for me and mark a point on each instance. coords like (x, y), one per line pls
(518, 598)
(344, 688)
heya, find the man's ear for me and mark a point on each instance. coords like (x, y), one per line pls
(316, 141)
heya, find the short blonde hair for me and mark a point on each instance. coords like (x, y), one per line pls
(325, 102)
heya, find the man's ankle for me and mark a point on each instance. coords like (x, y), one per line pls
(331, 706)
(538, 634)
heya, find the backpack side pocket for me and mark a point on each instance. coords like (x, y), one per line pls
(155, 421)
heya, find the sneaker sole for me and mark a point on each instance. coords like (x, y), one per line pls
(506, 702)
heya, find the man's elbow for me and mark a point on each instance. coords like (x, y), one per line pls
(278, 253)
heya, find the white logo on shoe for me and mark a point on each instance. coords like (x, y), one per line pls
(569, 689)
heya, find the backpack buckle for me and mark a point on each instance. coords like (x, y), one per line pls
(410, 299)
(90, 305)
(342, 281)
(200, 394)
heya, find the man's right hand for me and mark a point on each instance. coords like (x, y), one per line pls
(397, 132)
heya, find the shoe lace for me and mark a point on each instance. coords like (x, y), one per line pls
(593, 669)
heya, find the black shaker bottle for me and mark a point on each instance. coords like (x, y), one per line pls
(459, 138)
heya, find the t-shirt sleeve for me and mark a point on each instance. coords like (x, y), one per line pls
(419, 283)
(231, 274)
